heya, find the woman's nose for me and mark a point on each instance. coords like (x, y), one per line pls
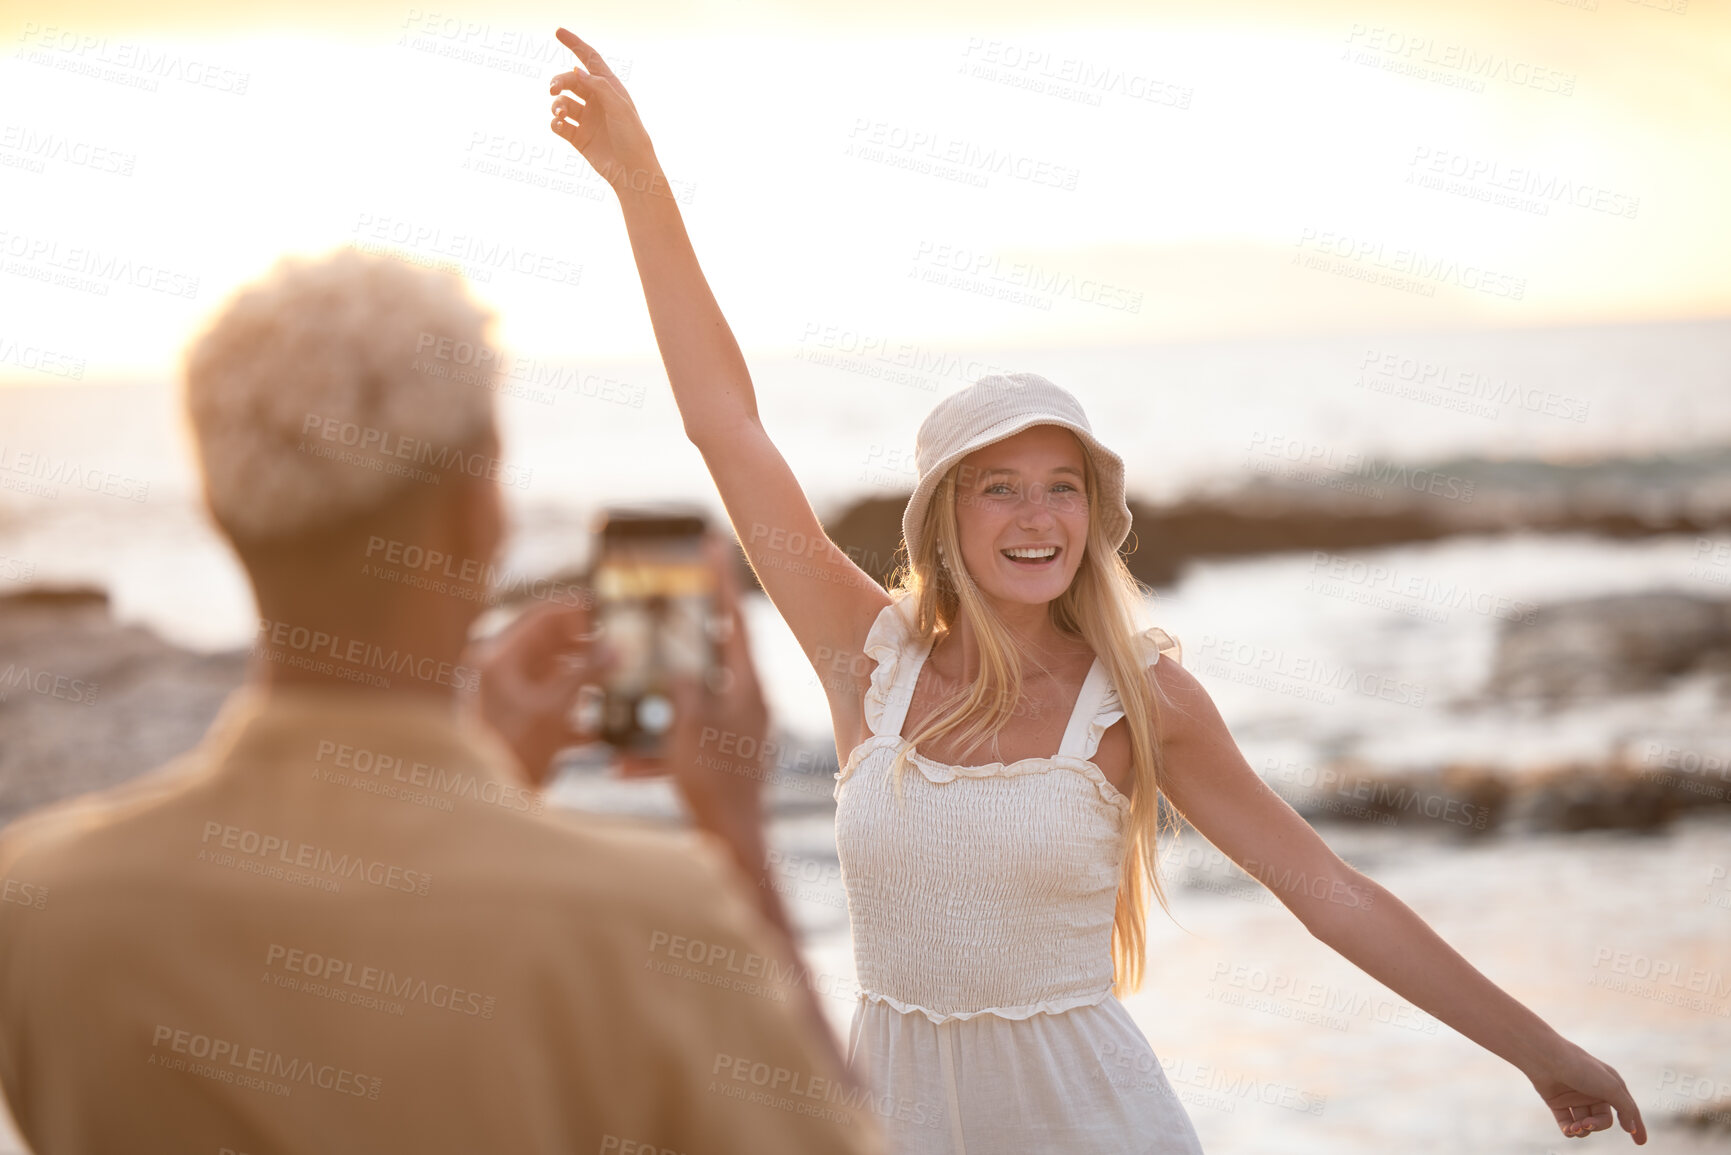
(1036, 503)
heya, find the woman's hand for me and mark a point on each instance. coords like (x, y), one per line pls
(1581, 1092)
(602, 123)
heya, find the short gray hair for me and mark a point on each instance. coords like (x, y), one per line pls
(317, 393)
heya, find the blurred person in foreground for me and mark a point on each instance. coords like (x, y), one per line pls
(346, 921)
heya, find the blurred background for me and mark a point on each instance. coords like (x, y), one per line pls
(1412, 322)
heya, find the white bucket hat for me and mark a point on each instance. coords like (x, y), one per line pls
(990, 410)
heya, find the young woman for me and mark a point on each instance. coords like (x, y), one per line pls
(1006, 736)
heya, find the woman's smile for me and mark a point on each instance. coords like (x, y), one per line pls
(1033, 557)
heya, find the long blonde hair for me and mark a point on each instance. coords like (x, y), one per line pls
(1103, 607)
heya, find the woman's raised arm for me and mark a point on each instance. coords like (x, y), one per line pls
(827, 600)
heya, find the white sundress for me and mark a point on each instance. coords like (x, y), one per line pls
(981, 905)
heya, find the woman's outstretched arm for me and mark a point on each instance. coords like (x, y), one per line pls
(1217, 791)
(827, 600)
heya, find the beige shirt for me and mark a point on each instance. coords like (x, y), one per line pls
(339, 924)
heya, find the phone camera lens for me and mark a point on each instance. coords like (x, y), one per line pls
(654, 714)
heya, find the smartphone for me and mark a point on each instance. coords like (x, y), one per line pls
(656, 609)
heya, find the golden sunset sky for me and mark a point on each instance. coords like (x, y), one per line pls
(964, 174)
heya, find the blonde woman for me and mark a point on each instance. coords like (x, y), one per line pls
(1006, 733)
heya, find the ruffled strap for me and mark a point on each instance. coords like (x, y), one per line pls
(1155, 644)
(890, 644)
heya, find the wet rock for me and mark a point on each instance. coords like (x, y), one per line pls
(1471, 800)
(1465, 800)
(1615, 644)
(1584, 797)
(1712, 1118)
(86, 703)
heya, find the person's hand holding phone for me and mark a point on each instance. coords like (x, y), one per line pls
(532, 673)
(714, 750)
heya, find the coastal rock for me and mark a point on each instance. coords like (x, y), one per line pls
(1578, 796)
(1623, 793)
(1467, 800)
(1712, 1118)
(1616, 644)
(86, 703)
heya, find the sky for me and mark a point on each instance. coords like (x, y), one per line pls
(1003, 175)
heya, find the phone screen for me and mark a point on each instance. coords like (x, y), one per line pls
(655, 597)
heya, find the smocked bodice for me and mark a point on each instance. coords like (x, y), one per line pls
(983, 889)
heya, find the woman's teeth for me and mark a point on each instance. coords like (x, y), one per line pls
(1042, 553)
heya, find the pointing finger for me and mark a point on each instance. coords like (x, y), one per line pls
(591, 59)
